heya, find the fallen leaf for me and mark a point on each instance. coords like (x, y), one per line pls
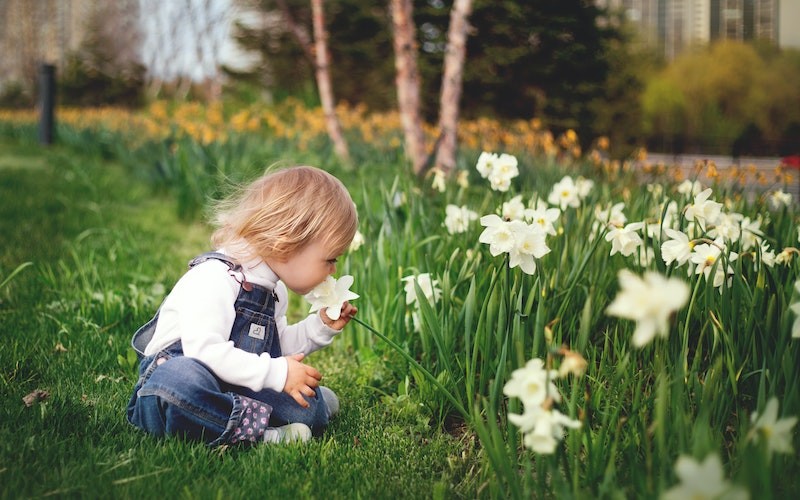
(34, 397)
(60, 348)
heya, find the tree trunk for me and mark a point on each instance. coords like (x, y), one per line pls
(300, 34)
(408, 82)
(324, 82)
(317, 54)
(452, 85)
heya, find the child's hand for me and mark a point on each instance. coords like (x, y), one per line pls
(301, 379)
(348, 311)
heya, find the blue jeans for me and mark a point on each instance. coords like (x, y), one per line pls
(180, 396)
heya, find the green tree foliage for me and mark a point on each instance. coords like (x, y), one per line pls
(540, 58)
(105, 70)
(727, 98)
(360, 44)
(543, 58)
(618, 112)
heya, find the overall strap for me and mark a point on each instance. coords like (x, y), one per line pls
(233, 266)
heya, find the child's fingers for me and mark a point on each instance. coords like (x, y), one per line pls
(315, 375)
(304, 391)
(300, 399)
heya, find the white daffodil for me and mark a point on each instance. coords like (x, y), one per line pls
(428, 286)
(777, 433)
(612, 214)
(678, 248)
(565, 194)
(523, 242)
(513, 209)
(532, 384)
(649, 301)
(662, 219)
(703, 210)
(399, 199)
(498, 235)
(779, 199)
(767, 256)
(690, 188)
(537, 203)
(543, 218)
(704, 256)
(548, 430)
(462, 179)
(529, 244)
(728, 226)
(784, 257)
(542, 425)
(702, 481)
(584, 186)
(751, 232)
(498, 183)
(572, 363)
(499, 170)
(439, 180)
(486, 162)
(358, 241)
(670, 214)
(331, 295)
(625, 240)
(506, 167)
(655, 190)
(457, 219)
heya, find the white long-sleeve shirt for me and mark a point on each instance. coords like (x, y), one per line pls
(199, 311)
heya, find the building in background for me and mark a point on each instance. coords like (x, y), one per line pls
(37, 31)
(676, 25)
(788, 20)
(187, 40)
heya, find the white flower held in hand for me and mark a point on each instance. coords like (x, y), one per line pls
(331, 294)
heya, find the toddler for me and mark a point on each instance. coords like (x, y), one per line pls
(219, 363)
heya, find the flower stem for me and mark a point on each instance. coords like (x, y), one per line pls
(685, 339)
(458, 406)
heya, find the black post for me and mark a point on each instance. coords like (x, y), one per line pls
(47, 102)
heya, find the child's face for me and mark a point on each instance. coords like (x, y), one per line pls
(307, 268)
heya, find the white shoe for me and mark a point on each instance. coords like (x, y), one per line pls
(287, 434)
(331, 401)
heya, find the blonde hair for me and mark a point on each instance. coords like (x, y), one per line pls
(284, 210)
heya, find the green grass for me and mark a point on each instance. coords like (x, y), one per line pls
(104, 249)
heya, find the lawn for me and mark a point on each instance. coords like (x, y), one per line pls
(547, 322)
(104, 248)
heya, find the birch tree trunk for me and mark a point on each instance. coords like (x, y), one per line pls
(408, 82)
(452, 78)
(317, 53)
(324, 81)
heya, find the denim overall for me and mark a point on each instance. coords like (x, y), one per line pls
(179, 395)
